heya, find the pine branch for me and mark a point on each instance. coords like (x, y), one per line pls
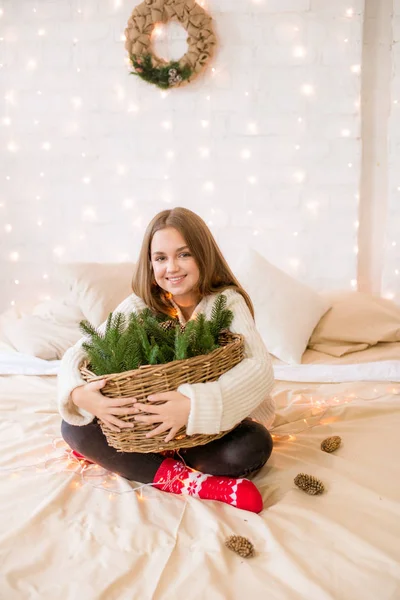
(148, 338)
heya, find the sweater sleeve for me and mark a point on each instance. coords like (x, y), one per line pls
(219, 405)
(69, 376)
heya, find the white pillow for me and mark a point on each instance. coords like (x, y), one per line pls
(286, 311)
(47, 333)
(97, 288)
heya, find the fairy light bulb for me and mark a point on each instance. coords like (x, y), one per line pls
(12, 147)
(120, 91)
(204, 152)
(170, 154)
(307, 89)
(299, 176)
(86, 180)
(245, 154)
(353, 282)
(312, 207)
(157, 31)
(31, 64)
(356, 69)
(350, 12)
(299, 52)
(41, 32)
(252, 179)
(7, 121)
(76, 102)
(294, 263)
(14, 256)
(46, 146)
(59, 251)
(252, 127)
(89, 214)
(127, 203)
(204, 124)
(167, 125)
(8, 228)
(209, 186)
(345, 132)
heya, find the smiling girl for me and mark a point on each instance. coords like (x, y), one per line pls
(179, 273)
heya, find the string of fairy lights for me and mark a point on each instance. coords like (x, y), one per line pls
(319, 411)
(298, 50)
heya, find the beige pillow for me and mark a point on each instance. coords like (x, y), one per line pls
(355, 322)
(97, 288)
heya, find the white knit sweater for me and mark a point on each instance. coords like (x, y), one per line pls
(214, 406)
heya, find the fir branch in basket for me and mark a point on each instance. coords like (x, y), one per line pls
(148, 339)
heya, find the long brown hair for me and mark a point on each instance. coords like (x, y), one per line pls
(215, 274)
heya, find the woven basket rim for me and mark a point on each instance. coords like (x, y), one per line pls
(235, 338)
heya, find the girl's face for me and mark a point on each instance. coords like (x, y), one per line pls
(174, 267)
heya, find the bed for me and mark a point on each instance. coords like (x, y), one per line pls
(72, 530)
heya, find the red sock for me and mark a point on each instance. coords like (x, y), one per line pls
(172, 476)
(81, 457)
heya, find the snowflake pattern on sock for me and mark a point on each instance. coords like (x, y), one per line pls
(193, 483)
(175, 477)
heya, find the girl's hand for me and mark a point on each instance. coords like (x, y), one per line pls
(172, 415)
(92, 400)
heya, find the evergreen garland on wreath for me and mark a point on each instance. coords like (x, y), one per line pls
(148, 339)
(164, 76)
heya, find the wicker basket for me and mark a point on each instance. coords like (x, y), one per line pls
(152, 379)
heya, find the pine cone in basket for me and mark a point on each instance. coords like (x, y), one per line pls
(171, 324)
(167, 325)
(240, 545)
(309, 484)
(331, 443)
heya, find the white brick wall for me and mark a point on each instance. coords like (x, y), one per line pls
(294, 198)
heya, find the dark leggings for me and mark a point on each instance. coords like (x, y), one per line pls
(242, 451)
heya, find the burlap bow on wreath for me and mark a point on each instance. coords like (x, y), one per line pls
(201, 41)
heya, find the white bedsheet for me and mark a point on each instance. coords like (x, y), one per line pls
(15, 363)
(61, 537)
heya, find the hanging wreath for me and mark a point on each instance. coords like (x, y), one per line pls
(155, 70)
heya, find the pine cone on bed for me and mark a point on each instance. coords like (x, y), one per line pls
(331, 443)
(240, 545)
(309, 484)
